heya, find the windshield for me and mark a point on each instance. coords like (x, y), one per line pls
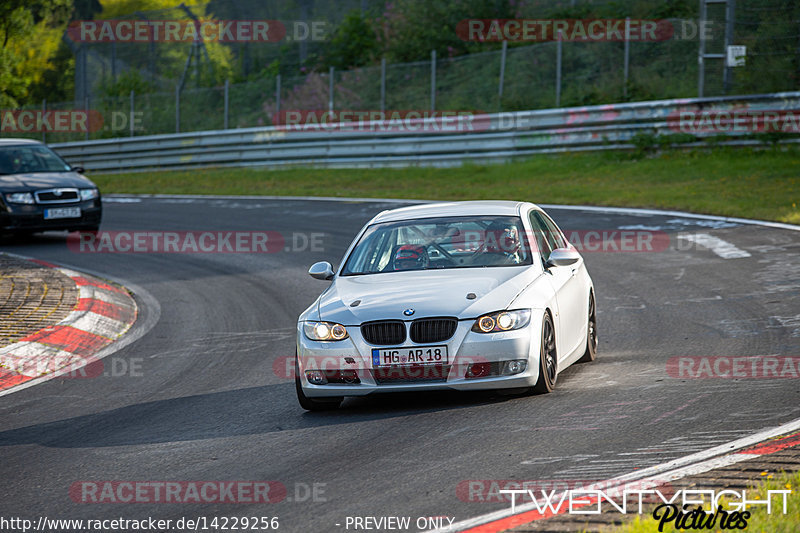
(439, 243)
(22, 159)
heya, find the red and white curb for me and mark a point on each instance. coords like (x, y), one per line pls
(102, 315)
(733, 452)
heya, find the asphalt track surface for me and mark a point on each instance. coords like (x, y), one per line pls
(204, 401)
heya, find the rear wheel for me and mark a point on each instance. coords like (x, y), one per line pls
(313, 404)
(591, 334)
(548, 362)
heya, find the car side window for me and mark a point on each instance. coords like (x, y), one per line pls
(557, 239)
(539, 239)
(552, 234)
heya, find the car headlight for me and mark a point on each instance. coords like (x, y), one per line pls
(20, 198)
(89, 194)
(324, 331)
(502, 321)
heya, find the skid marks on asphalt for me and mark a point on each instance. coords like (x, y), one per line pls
(239, 342)
(609, 464)
(755, 326)
(626, 302)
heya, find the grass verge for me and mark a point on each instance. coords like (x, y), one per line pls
(760, 520)
(750, 183)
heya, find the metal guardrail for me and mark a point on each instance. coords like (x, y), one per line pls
(432, 142)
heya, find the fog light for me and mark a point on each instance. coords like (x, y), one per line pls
(316, 377)
(478, 370)
(515, 367)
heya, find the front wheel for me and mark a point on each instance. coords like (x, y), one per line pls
(313, 404)
(591, 334)
(548, 362)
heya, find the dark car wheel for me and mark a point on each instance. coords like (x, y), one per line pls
(313, 404)
(591, 334)
(548, 362)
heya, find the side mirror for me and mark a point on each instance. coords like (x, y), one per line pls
(322, 270)
(79, 170)
(563, 257)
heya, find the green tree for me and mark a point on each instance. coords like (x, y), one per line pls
(29, 36)
(412, 28)
(354, 43)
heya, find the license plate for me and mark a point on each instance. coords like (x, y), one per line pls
(62, 212)
(410, 355)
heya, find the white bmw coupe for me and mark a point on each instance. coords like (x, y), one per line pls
(460, 295)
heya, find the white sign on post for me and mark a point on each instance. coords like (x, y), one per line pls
(736, 55)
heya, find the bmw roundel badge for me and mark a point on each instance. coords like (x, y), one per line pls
(408, 312)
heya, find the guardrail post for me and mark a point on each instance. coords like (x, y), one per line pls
(132, 113)
(178, 108)
(433, 80)
(225, 99)
(86, 107)
(701, 50)
(727, 73)
(330, 90)
(383, 84)
(44, 111)
(559, 46)
(277, 97)
(627, 60)
(502, 74)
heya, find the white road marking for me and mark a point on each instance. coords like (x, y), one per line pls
(724, 249)
(118, 200)
(715, 224)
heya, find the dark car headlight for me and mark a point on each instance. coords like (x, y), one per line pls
(502, 321)
(20, 198)
(324, 331)
(89, 194)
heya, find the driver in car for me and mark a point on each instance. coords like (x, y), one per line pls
(410, 257)
(504, 243)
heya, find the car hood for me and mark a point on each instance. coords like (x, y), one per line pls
(429, 293)
(42, 180)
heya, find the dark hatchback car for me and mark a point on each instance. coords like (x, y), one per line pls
(39, 191)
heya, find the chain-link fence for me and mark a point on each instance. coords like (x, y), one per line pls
(518, 76)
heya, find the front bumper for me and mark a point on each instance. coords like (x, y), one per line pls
(30, 217)
(464, 348)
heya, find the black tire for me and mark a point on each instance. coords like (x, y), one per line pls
(548, 360)
(591, 334)
(313, 404)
